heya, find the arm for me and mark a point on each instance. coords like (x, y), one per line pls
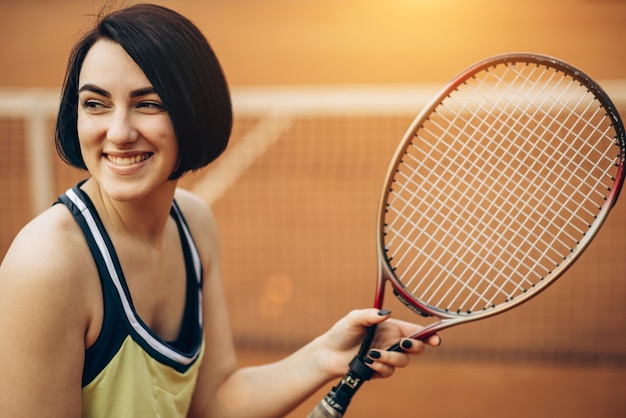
(257, 392)
(43, 323)
(224, 390)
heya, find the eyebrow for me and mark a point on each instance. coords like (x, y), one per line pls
(102, 92)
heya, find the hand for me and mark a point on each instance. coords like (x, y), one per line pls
(342, 341)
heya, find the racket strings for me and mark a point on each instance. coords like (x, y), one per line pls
(499, 180)
(442, 232)
(476, 254)
(480, 221)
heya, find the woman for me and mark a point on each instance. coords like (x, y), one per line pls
(122, 314)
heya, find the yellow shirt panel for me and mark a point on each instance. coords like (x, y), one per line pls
(136, 385)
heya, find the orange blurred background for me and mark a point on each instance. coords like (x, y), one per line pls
(294, 42)
(301, 189)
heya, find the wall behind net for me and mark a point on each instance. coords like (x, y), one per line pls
(15, 209)
(296, 195)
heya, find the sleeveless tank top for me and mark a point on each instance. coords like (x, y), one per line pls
(130, 371)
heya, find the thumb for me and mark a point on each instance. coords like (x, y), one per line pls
(352, 326)
(368, 317)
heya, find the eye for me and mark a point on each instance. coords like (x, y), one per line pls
(150, 106)
(93, 106)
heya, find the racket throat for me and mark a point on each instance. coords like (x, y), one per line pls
(409, 305)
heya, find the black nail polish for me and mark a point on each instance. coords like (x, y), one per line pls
(406, 344)
(368, 360)
(383, 312)
(374, 354)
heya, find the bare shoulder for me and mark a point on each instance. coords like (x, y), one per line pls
(48, 254)
(198, 215)
(46, 305)
(46, 238)
(202, 225)
(188, 201)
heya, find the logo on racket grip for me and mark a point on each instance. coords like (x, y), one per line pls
(351, 381)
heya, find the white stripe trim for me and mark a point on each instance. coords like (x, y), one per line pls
(197, 264)
(153, 342)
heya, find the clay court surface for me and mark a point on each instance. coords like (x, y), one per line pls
(484, 390)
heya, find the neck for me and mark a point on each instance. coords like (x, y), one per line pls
(142, 218)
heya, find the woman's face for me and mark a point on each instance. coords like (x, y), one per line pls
(126, 137)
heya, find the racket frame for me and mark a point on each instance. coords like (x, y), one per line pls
(335, 403)
(450, 318)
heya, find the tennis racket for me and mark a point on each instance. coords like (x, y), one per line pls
(498, 186)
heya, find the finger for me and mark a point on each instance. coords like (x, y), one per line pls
(412, 346)
(390, 358)
(367, 317)
(381, 369)
(405, 328)
(434, 340)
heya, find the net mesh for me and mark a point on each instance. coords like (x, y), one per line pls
(298, 234)
(13, 162)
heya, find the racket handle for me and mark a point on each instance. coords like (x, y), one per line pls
(323, 410)
(395, 347)
(423, 334)
(398, 347)
(336, 402)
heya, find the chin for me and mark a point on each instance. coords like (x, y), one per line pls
(128, 191)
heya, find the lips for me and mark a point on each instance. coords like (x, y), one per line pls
(127, 160)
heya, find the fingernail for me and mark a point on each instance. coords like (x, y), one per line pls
(374, 354)
(439, 342)
(384, 312)
(406, 344)
(368, 360)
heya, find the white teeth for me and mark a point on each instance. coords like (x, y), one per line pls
(127, 160)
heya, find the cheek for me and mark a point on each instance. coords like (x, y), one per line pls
(169, 142)
(86, 129)
(173, 150)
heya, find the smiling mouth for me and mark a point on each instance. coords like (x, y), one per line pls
(135, 159)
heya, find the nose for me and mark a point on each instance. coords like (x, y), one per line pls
(121, 130)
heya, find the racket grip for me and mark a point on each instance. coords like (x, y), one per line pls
(323, 410)
(336, 402)
(395, 347)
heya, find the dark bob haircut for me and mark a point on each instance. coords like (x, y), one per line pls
(183, 69)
